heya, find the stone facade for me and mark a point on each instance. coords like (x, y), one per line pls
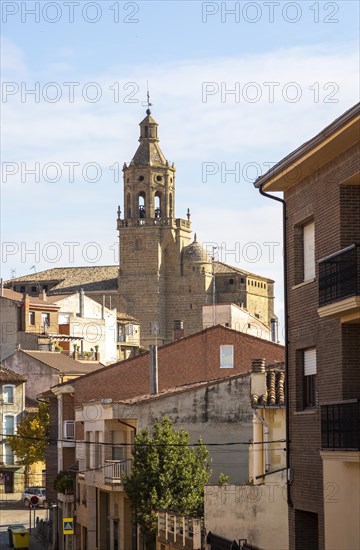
(164, 278)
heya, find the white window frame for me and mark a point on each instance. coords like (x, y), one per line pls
(227, 356)
(309, 251)
(12, 386)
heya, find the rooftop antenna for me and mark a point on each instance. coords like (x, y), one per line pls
(34, 268)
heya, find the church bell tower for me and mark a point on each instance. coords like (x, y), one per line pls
(151, 238)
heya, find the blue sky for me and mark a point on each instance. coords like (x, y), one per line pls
(293, 68)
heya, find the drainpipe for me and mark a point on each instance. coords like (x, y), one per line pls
(267, 450)
(286, 319)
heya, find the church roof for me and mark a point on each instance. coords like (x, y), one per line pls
(148, 154)
(195, 252)
(70, 279)
(221, 268)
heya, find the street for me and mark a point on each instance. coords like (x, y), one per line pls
(13, 512)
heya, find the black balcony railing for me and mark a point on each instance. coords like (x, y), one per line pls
(339, 275)
(340, 426)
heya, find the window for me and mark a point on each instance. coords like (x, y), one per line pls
(309, 251)
(231, 281)
(9, 424)
(31, 317)
(22, 289)
(45, 320)
(227, 356)
(33, 289)
(309, 379)
(8, 392)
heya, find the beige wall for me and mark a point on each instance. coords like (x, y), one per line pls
(341, 499)
(8, 327)
(256, 513)
(236, 318)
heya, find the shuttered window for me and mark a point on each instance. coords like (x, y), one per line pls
(309, 251)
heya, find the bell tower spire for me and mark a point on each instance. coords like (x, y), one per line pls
(149, 179)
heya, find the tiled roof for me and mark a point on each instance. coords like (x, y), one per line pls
(8, 376)
(31, 406)
(126, 317)
(275, 389)
(70, 279)
(12, 295)
(63, 363)
(34, 300)
(222, 269)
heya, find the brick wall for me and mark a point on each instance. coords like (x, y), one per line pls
(335, 211)
(191, 359)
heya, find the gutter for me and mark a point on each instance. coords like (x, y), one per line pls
(267, 451)
(286, 319)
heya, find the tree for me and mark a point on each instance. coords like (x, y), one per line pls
(166, 474)
(29, 443)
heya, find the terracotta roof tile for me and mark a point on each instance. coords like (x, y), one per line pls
(62, 362)
(275, 389)
(8, 376)
(70, 279)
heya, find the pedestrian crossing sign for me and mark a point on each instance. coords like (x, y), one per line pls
(68, 526)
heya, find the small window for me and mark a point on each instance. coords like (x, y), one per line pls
(33, 289)
(242, 280)
(158, 178)
(8, 392)
(231, 281)
(257, 315)
(22, 289)
(45, 287)
(227, 356)
(141, 178)
(32, 318)
(309, 251)
(309, 379)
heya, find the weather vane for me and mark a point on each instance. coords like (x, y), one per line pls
(147, 103)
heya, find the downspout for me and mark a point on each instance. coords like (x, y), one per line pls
(286, 316)
(267, 450)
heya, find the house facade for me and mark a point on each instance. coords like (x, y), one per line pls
(321, 185)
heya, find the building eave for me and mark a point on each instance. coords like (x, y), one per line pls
(333, 140)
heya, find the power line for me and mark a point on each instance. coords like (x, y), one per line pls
(51, 440)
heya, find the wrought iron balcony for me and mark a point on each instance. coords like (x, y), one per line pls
(340, 425)
(339, 283)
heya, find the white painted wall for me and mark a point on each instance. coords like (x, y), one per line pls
(236, 318)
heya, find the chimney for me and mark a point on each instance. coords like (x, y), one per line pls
(178, 330)
(154, 383)
(81, 302)
(258, 377)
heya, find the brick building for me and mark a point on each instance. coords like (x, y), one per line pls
(321, 185)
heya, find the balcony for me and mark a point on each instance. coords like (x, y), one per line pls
(114, 471)
(68, 433)
(339, 285)
(340, 426)
(179, 531)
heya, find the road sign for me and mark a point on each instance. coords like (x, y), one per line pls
(68, 526)
(34, 500)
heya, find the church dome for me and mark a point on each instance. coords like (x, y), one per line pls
(194, 252)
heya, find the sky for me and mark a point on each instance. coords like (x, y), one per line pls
(234, 86)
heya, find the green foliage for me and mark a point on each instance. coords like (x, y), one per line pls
(64, 483)
(29, 444)
(166, 474)
(223, 480)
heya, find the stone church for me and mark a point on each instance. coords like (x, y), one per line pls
(165, 277)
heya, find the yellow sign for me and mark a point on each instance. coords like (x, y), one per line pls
(68, 526)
